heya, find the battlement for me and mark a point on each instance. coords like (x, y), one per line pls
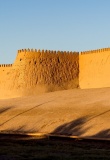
(96, 51)
(24, 55)
(55, 70)
(62, 52)
(5, 65)
(46, 51)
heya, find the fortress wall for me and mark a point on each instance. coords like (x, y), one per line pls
(4, 72)
(4, 68)
(94, 68)
(55, 70)
(48, 69)
(45, 70)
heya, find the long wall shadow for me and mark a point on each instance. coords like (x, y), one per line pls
(103, 134)
(74, 127)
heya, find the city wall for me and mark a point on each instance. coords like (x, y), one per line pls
(94, 68)
(41, 71)
(44, 71)
(4, 70)
(54, 70)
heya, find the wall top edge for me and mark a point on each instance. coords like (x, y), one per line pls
(46, 51)
(6, 65)
(95, 51)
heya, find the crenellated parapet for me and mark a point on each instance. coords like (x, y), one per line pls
(24, 54)
(46, 51)
(5, 65)
(56, 70)
(96, 51)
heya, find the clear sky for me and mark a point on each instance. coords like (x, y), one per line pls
(71, 25)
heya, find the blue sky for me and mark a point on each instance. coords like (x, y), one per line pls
(71, 25)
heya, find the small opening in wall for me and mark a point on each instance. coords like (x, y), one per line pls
(58, 60)
(20, 59)
(35, 62)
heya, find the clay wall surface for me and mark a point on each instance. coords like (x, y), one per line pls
(42, 71)
(94, 69)
(50, 68)
(45, 71)
(4, 71)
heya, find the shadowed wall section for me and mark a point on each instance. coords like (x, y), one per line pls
(42, 71)
(94, 68)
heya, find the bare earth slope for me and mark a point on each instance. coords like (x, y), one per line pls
(70, 112)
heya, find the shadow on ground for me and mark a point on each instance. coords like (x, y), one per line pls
(76, 127)
(72, 128)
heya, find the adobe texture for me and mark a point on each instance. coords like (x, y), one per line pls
(40, 71)
(36, 71)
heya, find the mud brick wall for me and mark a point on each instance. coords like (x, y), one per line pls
(52, 70)
(94, 68)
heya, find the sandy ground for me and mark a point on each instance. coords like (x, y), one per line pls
(70, 112)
